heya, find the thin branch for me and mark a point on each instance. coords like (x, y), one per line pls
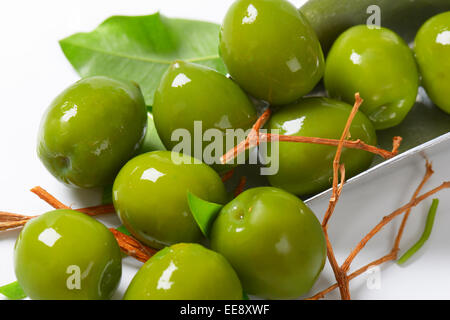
(55, 203)
(388, 219)
(227, 175)
(389, 257)
(241, 186)
(251, 141)
(428, 173)
(132, 247)
(128, 245)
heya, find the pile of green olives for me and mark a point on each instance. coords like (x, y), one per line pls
(265, 242)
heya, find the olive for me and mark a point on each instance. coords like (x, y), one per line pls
(305, 169)
(271, 50)
(67, 255)
(189, 95)
(185, 271)
(379, 65)
(91, 130)
(432, 48)
(150, 196)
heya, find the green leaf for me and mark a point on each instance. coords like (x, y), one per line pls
(13, 291)
(123, 230)
(204, 212)
(245, 296)
(425, 235)
(141, 48)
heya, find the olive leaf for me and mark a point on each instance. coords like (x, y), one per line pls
(204, 212)
(141, 48)
(123, 230)
(13, 291)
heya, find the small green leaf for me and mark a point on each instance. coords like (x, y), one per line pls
(123, 230)
(245, 296)
(425, 235)
(204, 212)
(13, 291)
(149, 109)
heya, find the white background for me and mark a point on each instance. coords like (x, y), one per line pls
(33, 70)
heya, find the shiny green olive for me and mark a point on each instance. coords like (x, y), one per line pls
(271, 50)
(305, 169)
(273, 241)
(150, 196)
(432, 48)
(191, 94)
(379, 65)
(67, 255)
(91, 130)
(185, 271)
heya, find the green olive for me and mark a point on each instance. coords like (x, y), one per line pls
(67, 255)
(91, 130)
(273, 241)
(190, 93)
(150, 196)
(379, 65)
(432, 48)
(185, 272)
(305, 169)
(271, 50)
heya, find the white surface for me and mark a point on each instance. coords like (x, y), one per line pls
(34, 71)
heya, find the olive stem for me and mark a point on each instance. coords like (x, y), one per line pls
(428, 173)
(425, 236)
(55, 203)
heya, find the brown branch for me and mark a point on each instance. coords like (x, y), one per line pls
(241, 186)
(336, 162)
(47, 197)
(251, 141)
(255, 138)
(428, 173)
(55, 203)
(133, 247)
(128, 245)
(97, 210)
(392, 255)
(388, 219)
(351, 144)
(353, 275)
(227, 175)
(340, 275)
